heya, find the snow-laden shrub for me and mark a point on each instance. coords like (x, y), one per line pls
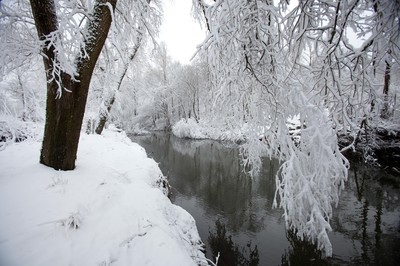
(15, 130)
(163, 184)
(188, 128)
(136, 130)
(236, 135)
(73, 221)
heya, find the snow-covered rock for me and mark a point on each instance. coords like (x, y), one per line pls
(109, 211)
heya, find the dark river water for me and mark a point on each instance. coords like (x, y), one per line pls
(234, 213)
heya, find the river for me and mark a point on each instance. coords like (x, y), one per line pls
(234, 213)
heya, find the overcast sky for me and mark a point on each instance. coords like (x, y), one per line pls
(180, 31)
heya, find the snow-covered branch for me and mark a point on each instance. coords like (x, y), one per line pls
(270, 62)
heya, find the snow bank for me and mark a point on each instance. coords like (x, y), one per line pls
(189, 128)
(109, 210)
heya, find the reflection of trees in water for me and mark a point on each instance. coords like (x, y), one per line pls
(367, 216)
(213, 173)
(301, 252)
(371, 196)
(231, 254)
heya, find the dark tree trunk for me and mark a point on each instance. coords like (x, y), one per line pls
(64, 114)
(385, 110)
(104, 116)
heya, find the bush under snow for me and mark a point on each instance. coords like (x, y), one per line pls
(14, 130)
(189, 128)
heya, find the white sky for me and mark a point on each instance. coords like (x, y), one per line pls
(180, 31)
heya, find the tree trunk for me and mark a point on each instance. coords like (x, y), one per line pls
(110, 103)
(64, 114)
(385, 113)
(104, 115)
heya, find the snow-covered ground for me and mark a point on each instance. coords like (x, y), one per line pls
(111, 210)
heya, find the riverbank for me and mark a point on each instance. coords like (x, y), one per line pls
(112, 209)
(379, 147)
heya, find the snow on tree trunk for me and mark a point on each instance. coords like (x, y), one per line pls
(66, 93)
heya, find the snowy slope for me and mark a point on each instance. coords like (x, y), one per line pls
(108, 211)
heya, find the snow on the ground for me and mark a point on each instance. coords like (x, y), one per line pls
(109, 211)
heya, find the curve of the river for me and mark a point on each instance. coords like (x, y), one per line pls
(234, 213)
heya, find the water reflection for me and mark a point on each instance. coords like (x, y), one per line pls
(368, 217)
(228, 252)
(209, 183)
(213, 172)
(302, 252)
